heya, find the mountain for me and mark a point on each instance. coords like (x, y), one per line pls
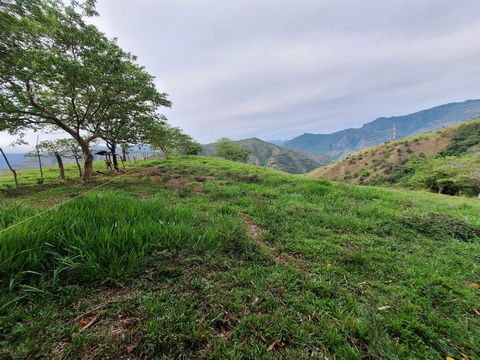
(274, 156)
(277, 142)
(20, 162)
(13, 158)
(445, 161)
(339, 144)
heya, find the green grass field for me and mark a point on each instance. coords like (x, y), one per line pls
(204, 258)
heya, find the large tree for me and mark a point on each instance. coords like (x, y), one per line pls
(59, 72)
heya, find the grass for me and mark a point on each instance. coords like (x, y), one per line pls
(203, 258)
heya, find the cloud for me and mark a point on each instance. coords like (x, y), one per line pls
(277, 68)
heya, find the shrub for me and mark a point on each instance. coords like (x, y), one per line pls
(468, 136)
(230, 150)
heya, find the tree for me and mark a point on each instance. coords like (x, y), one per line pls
(59, 72)
(125, 151)
(163, 137)
(70, 149)
(187, 146)
(10, 167)
(230, 150)
(170, 139)
(61, 148)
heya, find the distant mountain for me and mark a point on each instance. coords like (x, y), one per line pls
(274, 156)
(277, 142)
(339, 144)
(13, 158)
(446, 161)
(20, 162)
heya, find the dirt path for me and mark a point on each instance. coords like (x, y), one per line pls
(256, 233)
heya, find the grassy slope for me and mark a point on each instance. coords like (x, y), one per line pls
(398, 160)
(198, 257)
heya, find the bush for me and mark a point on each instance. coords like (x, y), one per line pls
(468, 136)
(230, 150)
(449, 175)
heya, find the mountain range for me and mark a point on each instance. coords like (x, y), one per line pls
(276, 157)
(338, 145)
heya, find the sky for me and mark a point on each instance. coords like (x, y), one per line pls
(275, 69)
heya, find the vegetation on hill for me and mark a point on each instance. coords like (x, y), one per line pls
(446, 161)
(338, 145)
(203, 258)
(231, 150)
(266, 154)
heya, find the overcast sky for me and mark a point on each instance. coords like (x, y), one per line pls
(275, 69)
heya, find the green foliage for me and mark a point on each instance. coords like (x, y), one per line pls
(446, 175)
(59, 72)
(466, 138)
(168, 138)
(68, 148)
(230, 150)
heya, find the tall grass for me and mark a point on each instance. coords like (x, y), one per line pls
(106, 235)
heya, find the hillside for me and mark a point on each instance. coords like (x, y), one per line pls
(276, 157)
(338, 145)
(447, 161)
(203, 258)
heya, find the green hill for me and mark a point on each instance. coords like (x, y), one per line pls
(445, 161)
(338, 145)
(203, 258)
(276, 157)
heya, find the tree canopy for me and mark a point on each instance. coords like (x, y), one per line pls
(171, 139)
(230, 150)
(58, 72)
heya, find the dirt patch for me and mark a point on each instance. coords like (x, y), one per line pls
(256, 232)
(108, 326)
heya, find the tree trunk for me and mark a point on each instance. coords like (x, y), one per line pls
(60, 166)
(88, 162)
(165, 152)
(39, 162)
(124, 154)
(10, 167)
(79, 167)
(112, 146)
(114, 156)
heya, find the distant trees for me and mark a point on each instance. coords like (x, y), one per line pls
(58, 72)
(230, 150)
(171, 139)
(451, 175)
(61, 148)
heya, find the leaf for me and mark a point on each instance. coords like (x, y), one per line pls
(85, 324)
(474, 285)
(383, 308)
(274, 345)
